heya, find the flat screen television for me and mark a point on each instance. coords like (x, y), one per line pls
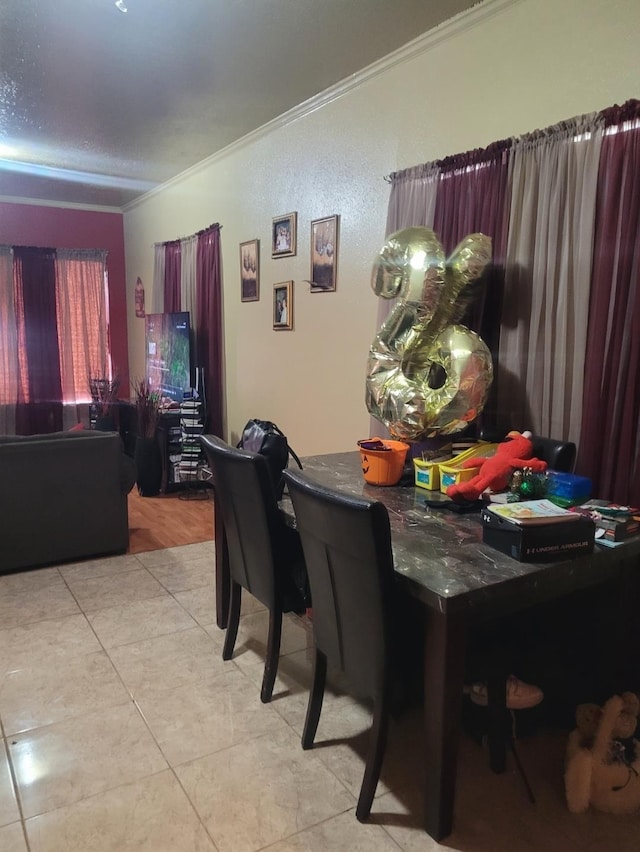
(168, 354)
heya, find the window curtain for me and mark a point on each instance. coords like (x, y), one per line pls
(39, 401)
(568, 356)
(412, 203)
(412, 199)
(187, 272)
(82, 324)
(548, 273)
(157, 299)
(473, 198)
(54, 333)
(188, 263)
(9, 368)
(172, 272)
(209, 338)
(610, 444)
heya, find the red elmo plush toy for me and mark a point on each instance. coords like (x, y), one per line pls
(495, 472)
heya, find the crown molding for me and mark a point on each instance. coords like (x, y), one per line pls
(66, 205)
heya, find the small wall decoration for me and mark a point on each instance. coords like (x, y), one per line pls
(250, 271)
(283, 235)
(139, 298)
(324, 254)
(283, 306)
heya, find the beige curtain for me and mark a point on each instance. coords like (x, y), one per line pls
(412, 202)
(157, 296)
(81, 295)
(9, 347)
(543, 337)
(188, 255)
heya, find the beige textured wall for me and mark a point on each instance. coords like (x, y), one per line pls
(503, 69)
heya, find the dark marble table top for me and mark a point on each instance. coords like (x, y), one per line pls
(441, 556)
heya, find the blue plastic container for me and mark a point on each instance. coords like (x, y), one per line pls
(567, 489)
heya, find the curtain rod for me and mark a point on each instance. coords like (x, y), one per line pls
(613, 115)
(188, 236)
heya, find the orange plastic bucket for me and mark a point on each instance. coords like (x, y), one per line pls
(382, 467)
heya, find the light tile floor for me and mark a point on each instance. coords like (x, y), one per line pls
(124, 731)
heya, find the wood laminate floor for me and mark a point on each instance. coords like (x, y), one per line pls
(168, 521)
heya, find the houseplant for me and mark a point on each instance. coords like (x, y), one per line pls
(104, 396)
(147, 452)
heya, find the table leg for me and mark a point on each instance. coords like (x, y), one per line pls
(445, 640)
(625, 647)
(223, 584)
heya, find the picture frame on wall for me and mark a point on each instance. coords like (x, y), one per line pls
(283, 306)
(324, 254)
(283, 235)
(250, 271)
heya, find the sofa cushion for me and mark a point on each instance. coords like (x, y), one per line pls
(127, 464)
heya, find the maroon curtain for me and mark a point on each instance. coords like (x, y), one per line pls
(172, 270)
(39, 408)
(473, 197)
(209, 336)
(610, 438)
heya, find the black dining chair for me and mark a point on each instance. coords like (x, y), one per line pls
(559, 455)
(265, 556)
(347, 548)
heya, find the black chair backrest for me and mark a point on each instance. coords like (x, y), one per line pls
(244, 494)
(559, 455)
(347, 550)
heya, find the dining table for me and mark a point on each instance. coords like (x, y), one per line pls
(441, 560)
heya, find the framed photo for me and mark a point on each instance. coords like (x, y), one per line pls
(250, 271)
(283, 306)
(283, 235)
(324, 254)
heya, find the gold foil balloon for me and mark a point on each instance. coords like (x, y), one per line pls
(426, 374)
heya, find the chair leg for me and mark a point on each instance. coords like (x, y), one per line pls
(497, 718)
(235, 597)
(314, 705)
(377, 745)
(520, 769)
(273, 655)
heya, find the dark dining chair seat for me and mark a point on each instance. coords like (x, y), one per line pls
(347, 548)
(265, 556)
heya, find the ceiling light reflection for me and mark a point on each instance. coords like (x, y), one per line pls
(91, 178)
(28, 768)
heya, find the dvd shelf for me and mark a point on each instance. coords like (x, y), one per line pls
(184, 464)
(191, 426)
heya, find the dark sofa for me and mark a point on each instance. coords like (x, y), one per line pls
(63, 497)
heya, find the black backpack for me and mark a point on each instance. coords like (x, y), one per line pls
(264, 437)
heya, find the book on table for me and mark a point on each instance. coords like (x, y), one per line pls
(532, 512)
(614, 523)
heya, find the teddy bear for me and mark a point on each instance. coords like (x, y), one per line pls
(602, 766)
(514, 452)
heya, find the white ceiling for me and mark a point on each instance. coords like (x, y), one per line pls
(98, 106)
